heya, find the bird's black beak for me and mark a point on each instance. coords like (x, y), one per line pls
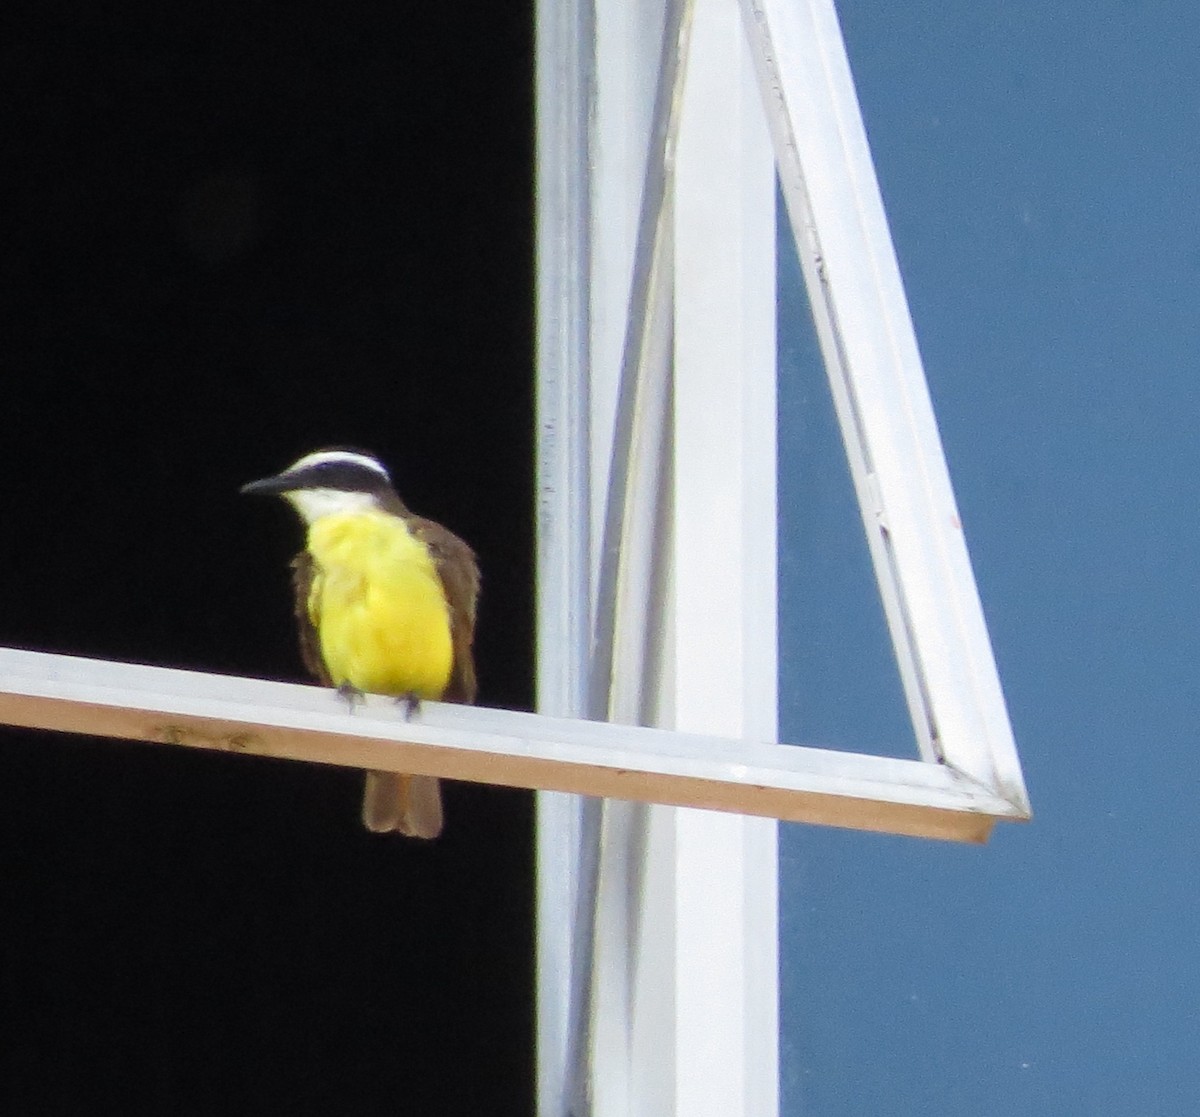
(268, 486)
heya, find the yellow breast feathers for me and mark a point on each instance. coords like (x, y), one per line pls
(378, 606)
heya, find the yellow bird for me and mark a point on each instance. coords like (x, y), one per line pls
(385, 603)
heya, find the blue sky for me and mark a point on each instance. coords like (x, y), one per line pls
(1041, 170)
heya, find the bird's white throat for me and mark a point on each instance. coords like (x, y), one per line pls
(312, 504)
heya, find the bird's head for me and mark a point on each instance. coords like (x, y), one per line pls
(329, 482)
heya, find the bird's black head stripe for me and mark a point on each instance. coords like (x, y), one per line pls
(343, 475)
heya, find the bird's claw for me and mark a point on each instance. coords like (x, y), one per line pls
(351, 695)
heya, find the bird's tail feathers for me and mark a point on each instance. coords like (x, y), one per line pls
(411, 805)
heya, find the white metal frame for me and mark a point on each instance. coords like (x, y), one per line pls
(656, 564)
(647, 234)
(167, 706)
(891, 437)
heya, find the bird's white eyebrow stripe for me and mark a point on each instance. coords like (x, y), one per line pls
(345, 456)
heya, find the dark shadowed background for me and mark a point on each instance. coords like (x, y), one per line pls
(241, 232)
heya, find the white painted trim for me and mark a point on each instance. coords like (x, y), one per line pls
(725, 930)
(870, 350)
(166, 706)
(563, 76)
(637, 493)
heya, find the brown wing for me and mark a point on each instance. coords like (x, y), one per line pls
(310, 644)
(459, 572)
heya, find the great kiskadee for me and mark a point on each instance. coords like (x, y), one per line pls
(385, 603)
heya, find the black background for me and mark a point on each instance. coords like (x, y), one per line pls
(241, 232)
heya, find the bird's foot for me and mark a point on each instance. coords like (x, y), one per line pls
(411, 703)
(351, 695)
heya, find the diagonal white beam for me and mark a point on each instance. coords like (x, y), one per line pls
(879, 388)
